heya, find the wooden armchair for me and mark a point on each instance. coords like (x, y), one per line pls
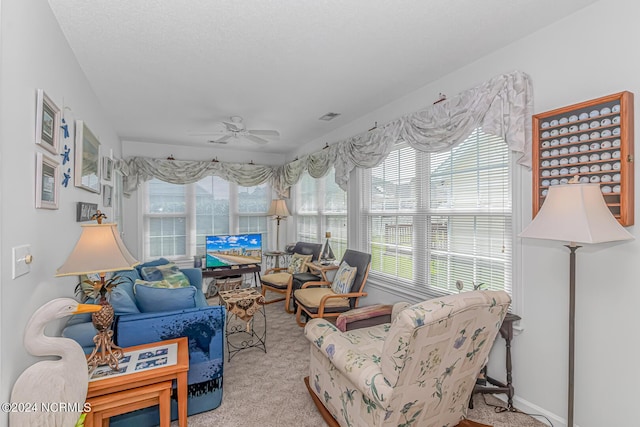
(322, 299)
(280, 280)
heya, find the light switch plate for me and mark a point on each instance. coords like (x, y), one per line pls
(20, 265)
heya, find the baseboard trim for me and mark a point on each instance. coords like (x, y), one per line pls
(532, 409)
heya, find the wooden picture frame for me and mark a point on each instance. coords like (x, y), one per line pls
(84, 211)
(593, 139)
(87, 156)
(47, 123)
(47, 182)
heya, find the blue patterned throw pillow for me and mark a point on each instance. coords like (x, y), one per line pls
(167, 272)
(344, 279)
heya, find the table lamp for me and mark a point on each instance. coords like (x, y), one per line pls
(575, 213)
(100, 250)
(278, 210)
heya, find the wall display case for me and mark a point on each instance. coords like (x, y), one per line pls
(593, 140)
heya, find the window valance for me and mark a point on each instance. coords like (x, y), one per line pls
(501, 106)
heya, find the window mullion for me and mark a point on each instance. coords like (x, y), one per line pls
(191, 219)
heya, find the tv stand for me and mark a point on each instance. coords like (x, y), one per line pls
(236, 270)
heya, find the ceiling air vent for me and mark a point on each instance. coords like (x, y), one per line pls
(329, 116)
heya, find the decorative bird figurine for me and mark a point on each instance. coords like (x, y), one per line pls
(52, 382)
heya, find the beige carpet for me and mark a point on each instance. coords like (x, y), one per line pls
(267, 390)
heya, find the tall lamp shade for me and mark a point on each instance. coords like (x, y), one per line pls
(98, 250)
(575, 213)
(279, 211)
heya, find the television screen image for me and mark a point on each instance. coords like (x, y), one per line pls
(236, 249)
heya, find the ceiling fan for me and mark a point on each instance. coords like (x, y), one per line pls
(236, 129)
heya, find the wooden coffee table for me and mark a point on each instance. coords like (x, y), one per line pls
(143, 380)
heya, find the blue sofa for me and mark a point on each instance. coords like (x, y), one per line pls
(141, 321)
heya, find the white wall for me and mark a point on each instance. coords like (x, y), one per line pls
(35, 54)
(587, 55)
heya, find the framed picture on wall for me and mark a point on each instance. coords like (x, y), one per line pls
(47, 123)
(47, 182)
(87, 167)
(107, 168)
(107, 194)
(84, 211)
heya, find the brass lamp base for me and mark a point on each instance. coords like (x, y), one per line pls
(106, 352)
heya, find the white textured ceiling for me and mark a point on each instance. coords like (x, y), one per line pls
(163, 68)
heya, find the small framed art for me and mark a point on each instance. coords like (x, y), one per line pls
(84, 211)
(87, 167)
(47, 182)
(107, 168)
(47, 123)
(107, 192)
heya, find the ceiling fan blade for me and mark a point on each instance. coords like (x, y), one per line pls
(222, 140)
(262, 132)
(255, 139)
(206, 133)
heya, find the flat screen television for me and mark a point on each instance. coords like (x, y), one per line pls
(228, 250)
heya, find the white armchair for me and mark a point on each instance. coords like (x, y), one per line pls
(418, 370)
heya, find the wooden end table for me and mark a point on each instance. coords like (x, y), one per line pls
(495, 386)
(144, 379)
(323, 269)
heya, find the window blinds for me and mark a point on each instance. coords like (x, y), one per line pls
(435, 219)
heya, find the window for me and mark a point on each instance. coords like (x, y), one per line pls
(322, 208)
(177, 218)
(433, 219)
(253, 203)
(211, 209)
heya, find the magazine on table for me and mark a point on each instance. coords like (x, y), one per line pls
(138, 361)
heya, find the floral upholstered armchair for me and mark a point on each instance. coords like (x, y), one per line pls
(418, 370)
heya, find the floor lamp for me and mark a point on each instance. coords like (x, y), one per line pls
(575, 213)
(278, 210)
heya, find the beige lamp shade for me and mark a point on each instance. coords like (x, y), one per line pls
(278, 208)
(576, 213)
(99, 250)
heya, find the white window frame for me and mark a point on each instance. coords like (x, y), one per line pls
(190, 218)
(407, 289)
(321, 215)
